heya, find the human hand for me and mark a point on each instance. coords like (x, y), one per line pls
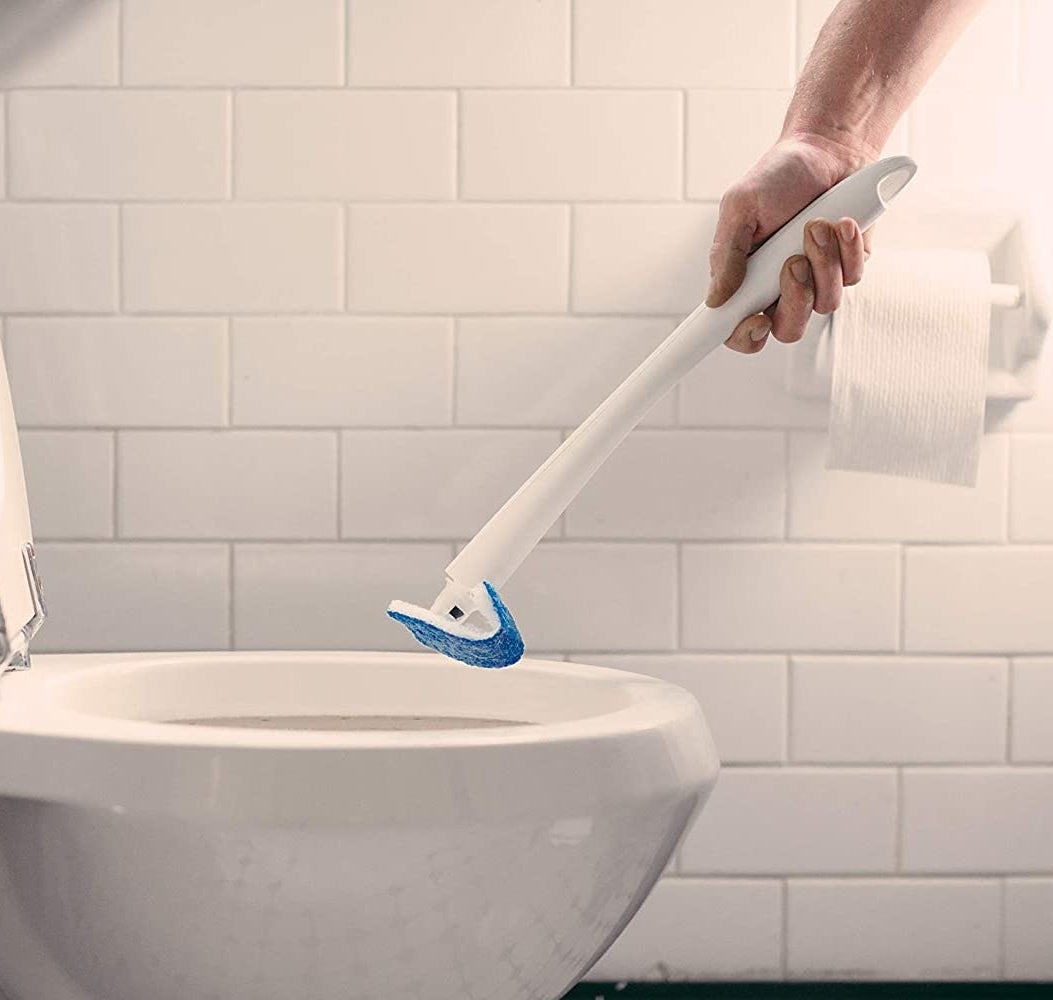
(784, 180)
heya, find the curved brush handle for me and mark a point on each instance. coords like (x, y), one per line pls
(508, 537)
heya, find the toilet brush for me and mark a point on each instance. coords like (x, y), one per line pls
(468, 621)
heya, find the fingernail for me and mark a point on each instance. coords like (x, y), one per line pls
(802, 270)
(758, 333)
(848, 230)
(821, 233)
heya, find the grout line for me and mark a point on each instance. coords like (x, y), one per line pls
(230, 596)
(120, 43)
(345, 44)
(228, 382)
(453, 355)
(115, 484)
(571, 67)
(231, 143)
(902, 583)
(898, 847)
(458, 144)
(1010, 686)
(1003, 884)
(339, 484)
(784, 927)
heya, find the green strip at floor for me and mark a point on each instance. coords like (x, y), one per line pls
(811, 991)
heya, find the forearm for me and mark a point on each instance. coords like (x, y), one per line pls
(869, 62)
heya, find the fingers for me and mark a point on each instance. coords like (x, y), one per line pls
(750, 335)
(731, 246)
(823, 252)
(852, 251)
(796, 300)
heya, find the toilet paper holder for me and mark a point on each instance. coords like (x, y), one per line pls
(1020, 298)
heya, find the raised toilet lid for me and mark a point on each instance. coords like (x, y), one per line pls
(21, 606)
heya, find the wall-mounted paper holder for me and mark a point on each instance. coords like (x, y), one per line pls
(1020, 296)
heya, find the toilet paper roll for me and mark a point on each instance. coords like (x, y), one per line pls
(910, 366)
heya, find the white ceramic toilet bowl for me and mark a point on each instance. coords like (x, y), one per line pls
(309, 846)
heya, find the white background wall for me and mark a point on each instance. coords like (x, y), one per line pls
(296, 292)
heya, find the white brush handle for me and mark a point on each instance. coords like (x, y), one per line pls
(507, 538)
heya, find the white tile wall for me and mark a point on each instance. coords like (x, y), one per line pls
(977, 819)
(235, 43)
(293, 293)
(695, 484)
(118, 145)
(743, 697)
(118, 371)
(242, 484)
(914, 710)
(697, 929)
(510, 258)
(585, 145)
(1032, 709)
(790, 597)
(341, 371)
(58, 258)
(799, 821)
(893, 929)
(978, 600)
(1029, 928)
(232, 258)
(359, 146)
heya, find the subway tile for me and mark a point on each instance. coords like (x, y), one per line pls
(1031, 485)
(972, 142)
(972, 820)
(1036, 28)
(686, 484)
(433, 484)
(727, 131)
(112, 144)
(803, 597)
(58, 258)
(1029, 928)
(78, 48)
(682, 43)
(226, 484)
(886, 710)
(985, 56)
(365, 146)
(743, 697)
(572, 596)
(333, 371)
(3, 151)
(330, 596)
(899, 929)
(700, 929)
(641, 258)
(1032, 710)
(549, 371)
(69, 480)
(775, 821)
(237, 258)
(978, 599)
(730, 389)
(1035, 413)
(238, 42)
(457, 258)
(121, 596)
(117, 371)
(571, 144)
(830, 503)
(482, 43)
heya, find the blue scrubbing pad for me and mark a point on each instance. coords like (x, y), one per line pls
(499, 647)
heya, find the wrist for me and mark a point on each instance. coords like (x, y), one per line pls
(845, 148)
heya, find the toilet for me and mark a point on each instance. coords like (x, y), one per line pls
(320, 825)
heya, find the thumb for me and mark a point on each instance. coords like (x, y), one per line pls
(731, 246)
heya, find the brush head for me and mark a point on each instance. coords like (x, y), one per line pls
(496, 644)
